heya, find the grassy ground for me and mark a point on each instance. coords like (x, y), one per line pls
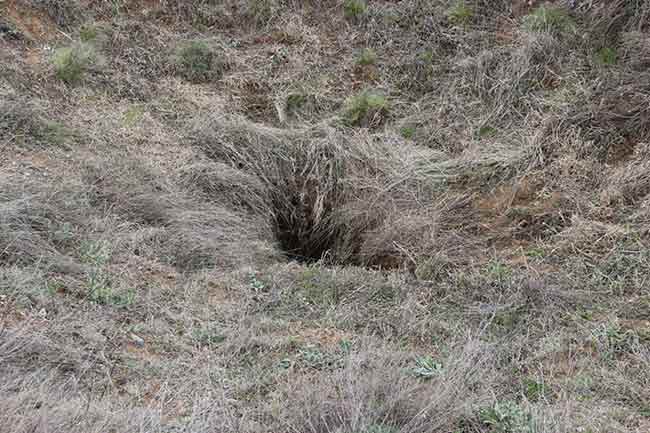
(325, 216)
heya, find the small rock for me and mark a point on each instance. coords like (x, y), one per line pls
(138, 341)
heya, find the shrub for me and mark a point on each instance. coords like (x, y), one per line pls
(354, 9)
(550, 20)
(71, 62)
(365, 109)
(367, 57)
(197, 62)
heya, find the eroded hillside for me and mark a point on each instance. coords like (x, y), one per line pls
(325, 216)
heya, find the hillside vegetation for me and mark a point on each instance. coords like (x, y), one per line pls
(335, 216)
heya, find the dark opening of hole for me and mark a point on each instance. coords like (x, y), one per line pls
(299, 240)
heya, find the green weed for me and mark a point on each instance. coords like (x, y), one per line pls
(354, 9)
(607, 56)
(498, 271)
(460, 14)
(88, 33)
(486, 131)
(507, 417)
(52, 132)
(550, 20)
(534, 390)
(133, 115)
(197, 62)
(208, 337)
(70, 63)
(367, 57)
(407, 132)
(613, 340)
(295, 101)
(365, 109)
(101, 290)
(426, 367)
(256, 284)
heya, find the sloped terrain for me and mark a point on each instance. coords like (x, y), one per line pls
(325, 216)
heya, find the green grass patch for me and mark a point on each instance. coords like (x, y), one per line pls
(208, 337)
(365, 109)
(367, 57)
(460, 14)
(295, 101)
(71, 63)
(354, 9)
(549, 19)
(407, 132)
(427, 367)
(607, 56)
(507, 417)
(88, 32)
(133, 115)
(486, 131)
(534, 390)
(197, 62)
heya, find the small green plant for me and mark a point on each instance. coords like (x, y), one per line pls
(460, 14)
(365, 109)
(100, 286)
(354, 9)
(426, 57)
(255, 283)
(197, 62)
(486, 131)
(101, 290)
(549, 19)
(426, 367)
(345, 346)
(52, 286)
(295, 101)
(52, 132)
(70, 63)
(507, 417)
(607, 56)
(88, 32)
(613, 340)
(133, 115)
(367, 57)
(313, 357)
(534, 390)
(96, 253)
(499, 271)
(407, 131)
(319, 287)
(208, 337)
(535, 252)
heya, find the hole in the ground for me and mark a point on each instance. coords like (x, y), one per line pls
(300, 237)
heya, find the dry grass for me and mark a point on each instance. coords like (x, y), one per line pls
(223, 219)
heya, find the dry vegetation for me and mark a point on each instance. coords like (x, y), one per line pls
(338, 216)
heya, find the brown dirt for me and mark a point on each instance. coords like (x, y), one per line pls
(34, 24)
